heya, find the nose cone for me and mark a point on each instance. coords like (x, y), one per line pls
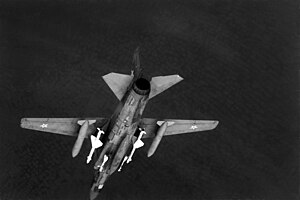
(93, 194)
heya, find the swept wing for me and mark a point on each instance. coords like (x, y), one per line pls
(176, 126)
(64, 126)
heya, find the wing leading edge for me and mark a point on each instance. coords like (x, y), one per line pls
(63, 126)
(175, 126)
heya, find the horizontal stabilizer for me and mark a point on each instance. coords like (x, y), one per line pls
(118, 83)
(161, 83)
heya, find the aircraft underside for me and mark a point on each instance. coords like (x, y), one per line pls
(115, 140)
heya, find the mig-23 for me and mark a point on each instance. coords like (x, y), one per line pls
(114, 140)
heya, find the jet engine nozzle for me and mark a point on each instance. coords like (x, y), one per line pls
(142, 86)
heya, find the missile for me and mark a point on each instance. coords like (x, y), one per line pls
(103, 163)
(138, 144)
(80, 138)
(96, 143)
(126, 157)
(160, 133)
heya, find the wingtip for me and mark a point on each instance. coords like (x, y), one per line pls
(216, 123)
(22, 122)
(180, 77)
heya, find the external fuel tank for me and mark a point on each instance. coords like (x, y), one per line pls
(80, 138)
(160, 133)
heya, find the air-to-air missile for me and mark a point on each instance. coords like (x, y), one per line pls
(138, 144)
(160, 133)
(96, 143)
(80, 138)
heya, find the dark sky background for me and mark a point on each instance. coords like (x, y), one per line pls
(239, 62)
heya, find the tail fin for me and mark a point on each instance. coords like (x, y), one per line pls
(136, 63)
(161, 83)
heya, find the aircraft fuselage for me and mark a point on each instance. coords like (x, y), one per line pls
(121, 130)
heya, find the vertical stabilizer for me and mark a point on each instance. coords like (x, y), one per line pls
(136, 63)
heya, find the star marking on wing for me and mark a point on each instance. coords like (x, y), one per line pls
(44, 125)
(194, 127)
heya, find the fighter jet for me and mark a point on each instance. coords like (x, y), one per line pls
(114, 140)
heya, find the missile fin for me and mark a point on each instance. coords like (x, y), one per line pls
(138, 144)
(96, 143)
